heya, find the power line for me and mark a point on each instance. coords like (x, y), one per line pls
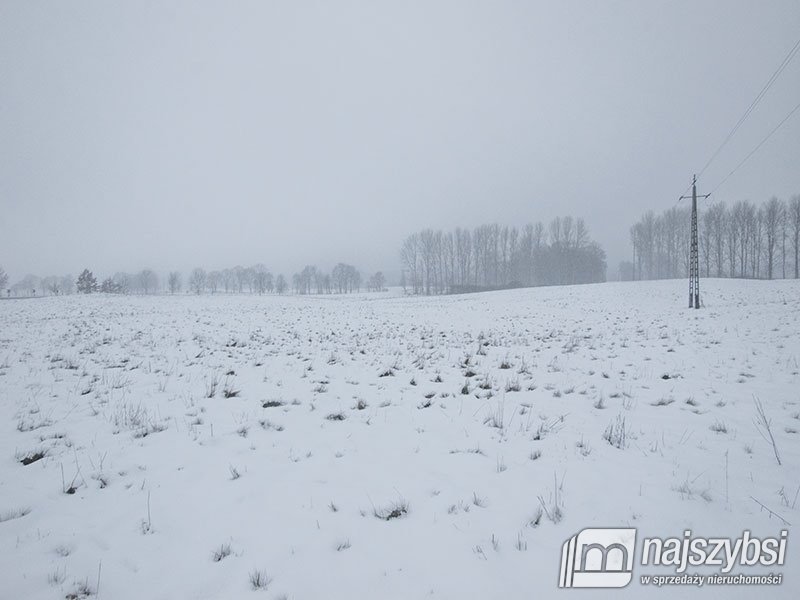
(753, 104)
(754, 150)
(765, 88)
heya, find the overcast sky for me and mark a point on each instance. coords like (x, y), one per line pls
(172, 135)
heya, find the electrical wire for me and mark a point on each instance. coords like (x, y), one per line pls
(792, 53)
(754, 150)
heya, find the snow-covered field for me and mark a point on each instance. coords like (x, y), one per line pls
(387, 447)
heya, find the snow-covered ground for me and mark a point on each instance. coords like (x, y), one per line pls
(191, 444)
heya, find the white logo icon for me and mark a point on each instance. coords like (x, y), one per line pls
(598, 558)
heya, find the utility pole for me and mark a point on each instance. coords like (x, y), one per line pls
(694, 257)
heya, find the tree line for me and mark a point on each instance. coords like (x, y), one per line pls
(495, 257)
(33, 285)
(343, 279)
(739, 240)
(145, 281)
(237, 280)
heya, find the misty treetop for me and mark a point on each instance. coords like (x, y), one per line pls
(494, 257)
(343, 279)
(737, 240)
(31, 285)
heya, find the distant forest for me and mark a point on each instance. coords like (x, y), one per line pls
(738, 240)
(496, 257)
(434, 262)
(343, 279)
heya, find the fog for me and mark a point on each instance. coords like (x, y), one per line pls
(174, 135)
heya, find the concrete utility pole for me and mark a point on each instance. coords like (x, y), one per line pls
(694, 256)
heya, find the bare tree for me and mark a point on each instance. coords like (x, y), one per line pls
(783, 234)
(409, 255)
(647, 238)
(122, 282)
(67, 285)
(746, 223)
(3, 279)
(228, 280)
(197, 280)
(241, 276)
(260, 278)
(305, 280)
(148, 281)
(637, 257)
(427, 240)
(280, 284)
(339, 278)
(463, 253)
(746, 237)
(319, 282)
(51, 285)
(717, 222)
(771, 217)
(213, 280)
(794, 227)
(269, 283)
(376, 282)
(174, 282)
(494, 256)
(249, 278)
(732, 240)
(753, 237)
(706, 228)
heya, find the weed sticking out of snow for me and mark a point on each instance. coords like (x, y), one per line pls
(222, 552)
(8, 515)
(393, 510)
(30, 457)
(259, 579)
(617, 433)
